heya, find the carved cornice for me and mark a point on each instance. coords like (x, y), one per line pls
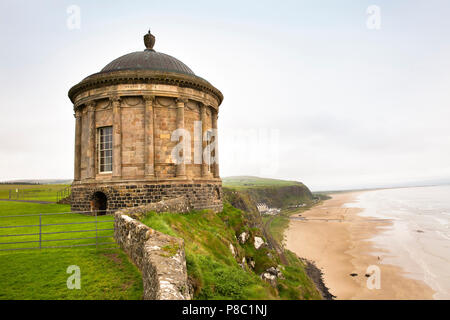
(99, 80)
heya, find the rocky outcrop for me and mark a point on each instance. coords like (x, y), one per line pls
(233, 251)
(258, 242)
(243, 237)
(160, 258)
(272, 275)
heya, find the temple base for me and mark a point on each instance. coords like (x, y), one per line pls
(114, 196)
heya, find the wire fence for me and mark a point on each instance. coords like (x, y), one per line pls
(26, 194)
(57, 230)
(63, 194)
(42, 193)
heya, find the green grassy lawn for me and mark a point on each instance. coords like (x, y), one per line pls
(51, 223)
(46, 192)
(41, 273)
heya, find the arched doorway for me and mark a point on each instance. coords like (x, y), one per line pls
(99, 203)
(218, 193)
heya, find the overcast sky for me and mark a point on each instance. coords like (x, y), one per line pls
(311, 93)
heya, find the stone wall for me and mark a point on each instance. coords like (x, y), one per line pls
(122, 195)
(176, 205)
(160, 258)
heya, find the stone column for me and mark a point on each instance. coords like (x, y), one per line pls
(215, 116)
(203, 117)
(91, 158)
(78, 124)
(149, 152)
(117, 138)
(181, 168)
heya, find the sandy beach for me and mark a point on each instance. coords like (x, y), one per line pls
(341, 248)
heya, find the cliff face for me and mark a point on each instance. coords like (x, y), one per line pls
(274, 196)
(281, 196)
(278, 196)
(245, 193)
(243, 201)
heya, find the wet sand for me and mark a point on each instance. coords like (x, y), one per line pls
(341, 247)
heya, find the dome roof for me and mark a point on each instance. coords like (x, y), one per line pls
(148, 59)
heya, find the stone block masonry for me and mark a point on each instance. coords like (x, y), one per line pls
(176, 205)
(122, 195)
(159, 257)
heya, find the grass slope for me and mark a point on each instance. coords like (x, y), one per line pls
(212, 268)
(41, 274)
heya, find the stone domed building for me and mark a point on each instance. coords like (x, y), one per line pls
(146, 130)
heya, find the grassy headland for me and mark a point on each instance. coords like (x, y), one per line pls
(292, 197)
(218, 274)
(213, 269)
(273, 192)
(242, 182)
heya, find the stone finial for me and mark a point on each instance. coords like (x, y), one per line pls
(149, 41)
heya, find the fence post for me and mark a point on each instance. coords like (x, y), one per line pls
(9, 194)
(96, 231)
(40, 231)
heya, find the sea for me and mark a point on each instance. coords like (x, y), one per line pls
(419, 238)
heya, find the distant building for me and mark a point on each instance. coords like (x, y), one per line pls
(264, 209)
(126, 120)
